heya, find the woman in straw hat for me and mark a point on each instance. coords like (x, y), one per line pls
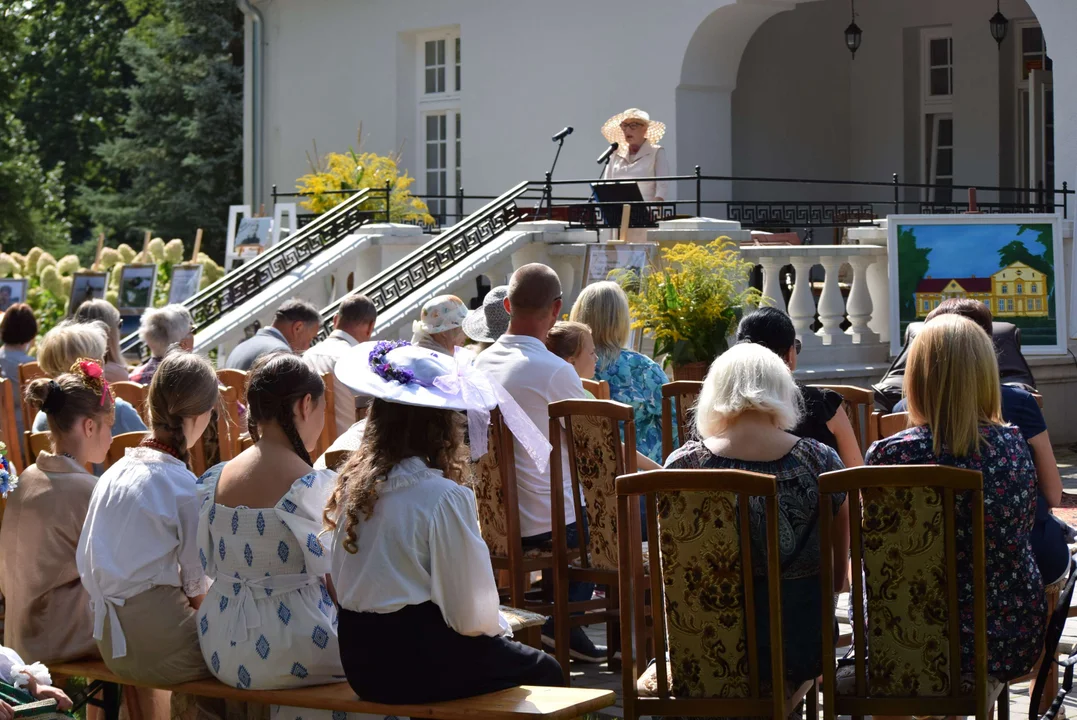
(638, 155)
(409, 565)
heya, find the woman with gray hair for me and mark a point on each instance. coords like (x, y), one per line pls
(160, 329)
(106, 312)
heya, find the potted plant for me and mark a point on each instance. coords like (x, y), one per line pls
(691, 303)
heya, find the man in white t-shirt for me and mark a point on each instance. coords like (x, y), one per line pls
(535, 377)
(353, 324)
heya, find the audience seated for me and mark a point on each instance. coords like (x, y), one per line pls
(952, 389)
(138, 553)
(160, 329)
(1019, 408)
(744, 415)
(634, 378)
(484, 325)
(261, 514)
(572, 342)
(47, 609)
(294, 328)
(419, 619)
(353, 324)
(535, 377)
(34, 679)
(61, 348)
(440, 325)
(823, 419)
(18, 328)
(106, 312)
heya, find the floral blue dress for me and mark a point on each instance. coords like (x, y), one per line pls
(637, 380)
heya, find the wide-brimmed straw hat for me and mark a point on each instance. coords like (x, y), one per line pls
(613, 133)
(399, 372)
(491, 321)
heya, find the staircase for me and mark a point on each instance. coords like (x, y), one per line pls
(238, 286)
(422, 274)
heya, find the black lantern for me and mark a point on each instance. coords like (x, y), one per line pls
(853, 33)
(999, 25)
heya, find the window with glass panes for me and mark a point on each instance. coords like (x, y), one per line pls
(937, 129)
(940, 71)
(439, 119)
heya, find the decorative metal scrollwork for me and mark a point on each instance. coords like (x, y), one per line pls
(800, 214)
(938, 208)
(593, 216)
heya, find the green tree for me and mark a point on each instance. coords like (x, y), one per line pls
(182, 144)
(912, 260)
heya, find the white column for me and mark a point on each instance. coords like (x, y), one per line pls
(860, 306)
(831, 305)
(772, 286)
(801, 303)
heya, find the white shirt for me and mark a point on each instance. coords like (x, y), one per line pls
(322, 358)
(140, 532)
(649, 162)
(421, 545)
(534, 377)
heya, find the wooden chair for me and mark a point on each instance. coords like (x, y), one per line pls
(889, 509)
(1046, 696)
(28, 372)
(9, 430)
(892, 424)
(236, 379)
(595, 460)
(684, 392)
(134, 393)
(228, 423)
(245, 441)
(329, 427)
(704, 516)
(1039, 399)
(121, 442)
(335, 459)
(859, 406)
(599, 388)
(35, 443)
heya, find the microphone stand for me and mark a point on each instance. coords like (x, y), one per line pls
(547, 190)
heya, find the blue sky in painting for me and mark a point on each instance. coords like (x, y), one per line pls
(967, 250)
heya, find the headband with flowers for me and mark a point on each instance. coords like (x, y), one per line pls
(92, 374)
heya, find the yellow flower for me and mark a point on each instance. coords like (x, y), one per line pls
(156, 250)
(7, 265)
(50, 280)
(31, 260)
(127, 253)
(174, 251)
(68, 265)
(109, 257)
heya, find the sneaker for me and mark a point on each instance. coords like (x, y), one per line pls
(580, 647)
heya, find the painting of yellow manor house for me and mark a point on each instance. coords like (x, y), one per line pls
(1006, 262)
(1016, 290)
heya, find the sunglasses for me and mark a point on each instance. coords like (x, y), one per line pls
(635, 125)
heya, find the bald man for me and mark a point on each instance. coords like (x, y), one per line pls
(535, 377)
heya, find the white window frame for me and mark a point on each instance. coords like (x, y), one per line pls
(444, 103)
(926, 98)
(938, 106)
(1020, 111)
(932, 159)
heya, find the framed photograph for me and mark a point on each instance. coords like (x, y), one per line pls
(12, 291)
(252, 236)
(1011, 263)
(601, 258)
(136, 288)
(185, 282)
(86, 286)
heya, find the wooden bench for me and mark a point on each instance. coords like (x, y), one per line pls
(520, 702)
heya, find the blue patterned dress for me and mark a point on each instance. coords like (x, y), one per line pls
(268, 621)
(637, 380)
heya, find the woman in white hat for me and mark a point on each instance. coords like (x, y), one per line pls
(638, 155)
(439, 327)
(418, 604)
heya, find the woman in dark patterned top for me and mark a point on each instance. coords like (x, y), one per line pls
(952, 390)
(748, 404)
(772, 328)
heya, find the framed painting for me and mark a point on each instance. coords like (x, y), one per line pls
(185, 282)
(12, 291)
(136, 288)
(602, 258)
(86, 286)
(1013, 264)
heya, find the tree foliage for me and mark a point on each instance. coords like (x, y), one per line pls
(912, 259)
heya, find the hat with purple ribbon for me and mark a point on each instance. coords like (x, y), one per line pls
(399, 372)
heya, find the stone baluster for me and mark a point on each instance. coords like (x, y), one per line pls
(860, 304)
(772, 286)
(801, 303)
(831, 305)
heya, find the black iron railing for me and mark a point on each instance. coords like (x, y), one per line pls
(255, 275)
(438, 255)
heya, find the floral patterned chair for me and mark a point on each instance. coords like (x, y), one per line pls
(684, 393)
(904, 582)
(595, 460)
(709, 625)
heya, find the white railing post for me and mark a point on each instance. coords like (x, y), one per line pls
(859, 305)
(801, 302)
(831, 305)
(772, 284)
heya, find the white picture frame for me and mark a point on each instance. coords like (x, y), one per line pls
(12, 291)
(85, 286)
(601, 258)
(137, 284)
(967, 250)
(185, 282)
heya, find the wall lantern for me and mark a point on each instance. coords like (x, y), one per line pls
(853, 33)
(999, 25)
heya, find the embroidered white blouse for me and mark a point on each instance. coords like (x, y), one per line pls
(140, 532)
(421, 545)
(649, 162)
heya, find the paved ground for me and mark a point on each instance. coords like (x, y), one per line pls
(600, 676)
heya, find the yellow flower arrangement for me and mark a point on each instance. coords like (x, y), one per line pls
(692, 301)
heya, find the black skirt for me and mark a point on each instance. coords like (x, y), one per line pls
(411, 656)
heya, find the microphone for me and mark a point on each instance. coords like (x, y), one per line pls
(562, 135)
(608, 151)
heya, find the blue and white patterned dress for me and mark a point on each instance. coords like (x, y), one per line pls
(268, 621)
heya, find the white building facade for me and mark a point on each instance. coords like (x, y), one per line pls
(470, 91)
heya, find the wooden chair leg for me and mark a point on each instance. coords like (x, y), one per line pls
(811, 710)
(1003, 703)
(561, 620)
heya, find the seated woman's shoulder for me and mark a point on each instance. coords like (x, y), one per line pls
(816, 455)
(690, 456)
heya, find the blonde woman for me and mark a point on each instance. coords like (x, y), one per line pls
(103, 310)
(953, 396)
(65, 344)
(634, 379)
(746, 410)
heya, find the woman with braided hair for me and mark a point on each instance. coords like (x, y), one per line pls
(138, 554)
(269, 621)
